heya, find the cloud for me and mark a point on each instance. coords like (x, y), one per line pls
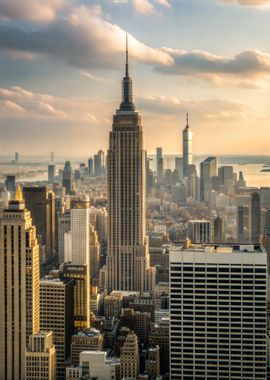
(206, 110)
(83, 39)
(20, 100)
(244, 69)
(63, 124)
(95, 78)
(67, 125)
(30, 10)
(144, 7)
(249, 3)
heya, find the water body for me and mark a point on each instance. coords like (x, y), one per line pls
(251, 166)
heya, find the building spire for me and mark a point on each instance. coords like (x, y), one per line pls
(127, 96)
(127, 55)
(187, 119)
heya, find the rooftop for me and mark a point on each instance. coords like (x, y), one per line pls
(221, 248)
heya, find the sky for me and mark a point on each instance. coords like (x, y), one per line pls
(62, 62)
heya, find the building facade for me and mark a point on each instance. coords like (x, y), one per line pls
(40, 357)
(19, 287)
(218, 316)
(128, 257)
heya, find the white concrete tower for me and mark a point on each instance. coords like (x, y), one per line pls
(128, 255)
(187, 149)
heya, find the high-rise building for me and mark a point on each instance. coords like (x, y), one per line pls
(160, 170)
(218, 319)
(159, 154)
(40, 357)
(94, 254)
(200, 231)
(56, 314)
(101, 154)
(64, 225)
(19, 287)
(218, 230)
(68, 177)
(10, 183)
(51, 173)
(52, 157)
(139, 322)
(80, 223)
(159, 336)
(128, 256)
(80, 275)
(40, 201)
(179, 167)
(97, 165)
(90, 167)
(255, 217)
(242, 223)
(79, 268)
(266, 237)
(152, 364)
(187, 149)
(208, 170)
(226, 179)
(16, 157)
(130, 359)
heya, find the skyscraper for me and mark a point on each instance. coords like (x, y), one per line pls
(90, 167)
(128, 256)
(218, 230)
(255, 217)
(56, 314)
(67, 177)
(179, 167)
(160, 170)
(10, 183)
(40, 202)
(51, 173)
(208, 170)
(218, 319)
(19, 287)
(187, 149)
(266, 237)
(159, 155)
(79, 270)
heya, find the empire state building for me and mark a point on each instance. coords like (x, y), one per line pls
(128, 252)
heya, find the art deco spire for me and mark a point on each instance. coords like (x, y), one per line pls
(127, 96)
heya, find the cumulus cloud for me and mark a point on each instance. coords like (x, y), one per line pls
(243, 69)
(83, 39)
(249, 3)
(207, 110)
(144, 7)
(30, 10)
(21, 101)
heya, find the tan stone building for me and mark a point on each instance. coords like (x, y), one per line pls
(19, 287)
(128, 256)
(87, 340)
(40, 357)
(130, 360)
